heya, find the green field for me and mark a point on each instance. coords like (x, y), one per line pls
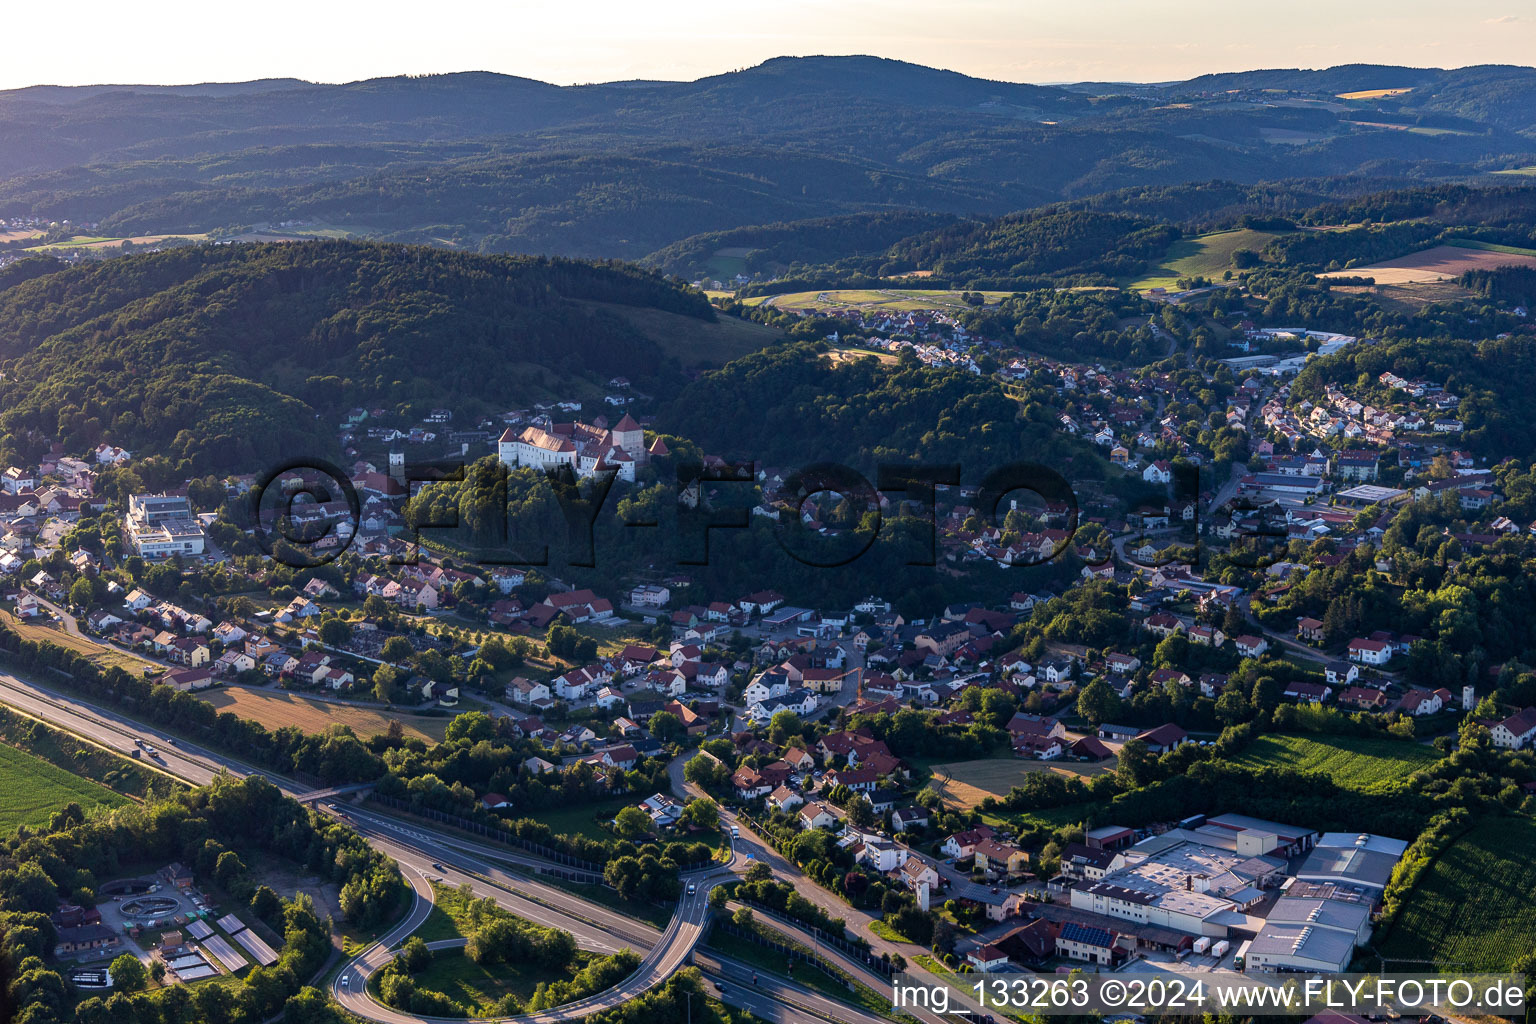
(1201, 256)
(1472, 243)
(583, 819)
(466, 982)
(1354, 762)
(894, 299)
(1472, 909)
(31, 789)
(1528, 171)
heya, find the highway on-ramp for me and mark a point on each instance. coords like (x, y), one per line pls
(419, 850)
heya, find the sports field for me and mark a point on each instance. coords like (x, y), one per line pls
(1472, 909)
(964, 784)
(31, 790)
(1354, 762)
(276, 709)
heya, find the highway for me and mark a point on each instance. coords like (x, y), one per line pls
(489, 872)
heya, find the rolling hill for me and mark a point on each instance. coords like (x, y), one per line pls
(229, 357)
(496, 163)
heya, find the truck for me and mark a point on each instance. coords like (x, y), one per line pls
(1240, 958)
(1220, 949)
(1202, 944)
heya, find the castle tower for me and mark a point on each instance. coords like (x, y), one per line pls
(628, 436)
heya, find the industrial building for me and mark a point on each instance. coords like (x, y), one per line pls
(1198, 880)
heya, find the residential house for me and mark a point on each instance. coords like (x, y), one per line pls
(816, 815)
(1515, 732)
(1087, 942)
(1250, 646)
(1370, 652)
(1164, 738)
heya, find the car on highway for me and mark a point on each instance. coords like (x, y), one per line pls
(692, 888)
(438, 866)
(719, 986)
(735, 831)
(346, 981)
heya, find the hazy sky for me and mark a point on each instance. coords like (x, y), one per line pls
(564, 41)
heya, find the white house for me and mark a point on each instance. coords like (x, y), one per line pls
(1517, 731)
(1370, 652)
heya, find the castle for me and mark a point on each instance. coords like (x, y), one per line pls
(585, 447)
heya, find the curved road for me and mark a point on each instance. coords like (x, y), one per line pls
(419, 851)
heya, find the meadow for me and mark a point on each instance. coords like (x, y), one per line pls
(1206, 255)
(1355, 762)
(31, 790)
(964, 784)
(1472, 909)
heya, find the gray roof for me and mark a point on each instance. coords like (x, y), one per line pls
(1349, 865)
(1301, 941)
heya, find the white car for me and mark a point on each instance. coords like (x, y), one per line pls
(692, 888)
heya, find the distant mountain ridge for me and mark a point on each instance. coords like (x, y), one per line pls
(493, 162)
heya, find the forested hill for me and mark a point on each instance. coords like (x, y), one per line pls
(233, 356)
(791, 406)
(504, 164)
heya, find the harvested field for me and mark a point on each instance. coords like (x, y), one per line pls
(1375, 94)
(1440, 263)
(276, 709)
(964, 784)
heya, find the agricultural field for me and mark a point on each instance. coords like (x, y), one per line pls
(1411, 297)
(853, 355)
(105, 242)
(1375, 94)
(1472, 909)
(1527, 171)
(51, 633)
(889, 299)
(1202, 256)
(31, 790)
(1354, 762)
(964, 784)
(1439, 263)
(276, 709)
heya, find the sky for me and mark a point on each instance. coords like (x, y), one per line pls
(571, 41)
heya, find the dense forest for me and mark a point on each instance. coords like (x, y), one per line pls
(777, 249)
(495, 163)
(224, 356)
(1085, 247)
